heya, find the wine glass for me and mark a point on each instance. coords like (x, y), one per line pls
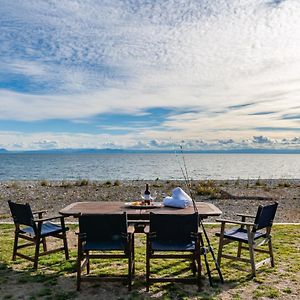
(153, 196)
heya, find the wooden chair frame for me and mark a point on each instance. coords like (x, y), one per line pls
(193, 256)
(84, 257)
(252, 241)
(37, 238)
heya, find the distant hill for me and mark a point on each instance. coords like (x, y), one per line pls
(121, 151)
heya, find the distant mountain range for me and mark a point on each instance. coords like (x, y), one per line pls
(120, 151)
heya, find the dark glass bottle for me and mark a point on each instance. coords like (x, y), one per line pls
(147, 196)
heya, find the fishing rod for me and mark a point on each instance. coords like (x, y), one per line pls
(208, 248)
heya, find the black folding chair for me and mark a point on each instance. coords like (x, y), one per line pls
(99, 234)
(250, 233)
(174, 237)
(36, 231)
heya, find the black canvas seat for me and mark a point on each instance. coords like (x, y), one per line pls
(241, 235)
(104, 246)
(254, 234)
(99, 234)
(173, 246)
(173, 237)
(47, 229)
(33, 227)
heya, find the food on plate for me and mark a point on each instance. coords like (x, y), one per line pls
(139, 203)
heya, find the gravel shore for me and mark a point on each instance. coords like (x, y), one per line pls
(231, 196)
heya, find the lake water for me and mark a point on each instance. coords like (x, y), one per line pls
(147, 166)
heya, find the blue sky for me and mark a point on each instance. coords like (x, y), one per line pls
(149, 74)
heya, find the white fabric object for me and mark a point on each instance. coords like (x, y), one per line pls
(179, 199)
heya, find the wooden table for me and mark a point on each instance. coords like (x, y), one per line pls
(204, 209)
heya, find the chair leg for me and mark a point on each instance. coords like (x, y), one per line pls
(64, 236)
(44, 244)
(66, 245)
(88, 263)
(198, 259)
(221, 241)
(271, 252)
(78, 273)
(250, 236)
(193, 266)
(15, 246)
(133, 260)
(239, 249)
(147, 269)
(79, 258)
(37, 252)
(129, 271)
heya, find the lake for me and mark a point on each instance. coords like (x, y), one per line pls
(147, 166)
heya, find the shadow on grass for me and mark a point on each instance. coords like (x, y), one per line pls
(56, 278)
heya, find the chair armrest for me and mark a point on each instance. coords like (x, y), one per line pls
(246, 216)
(130, 229)
(196, 235)
(81, 237)
(39, 212)
(147, 229)
(48, 219)
(235, 222)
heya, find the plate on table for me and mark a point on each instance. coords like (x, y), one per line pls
(143, 205)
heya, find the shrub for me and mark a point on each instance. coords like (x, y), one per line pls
(284, 184)
(259, 182)
(65, 184)
(207, 188)
(82, 182)
(44, 183)
(13, 185)
(117, 183)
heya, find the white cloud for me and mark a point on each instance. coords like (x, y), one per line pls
(48, 140)
(106, 56)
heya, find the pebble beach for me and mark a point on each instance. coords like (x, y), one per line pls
(231, 196)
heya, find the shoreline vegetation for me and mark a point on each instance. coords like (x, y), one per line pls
(231, 196)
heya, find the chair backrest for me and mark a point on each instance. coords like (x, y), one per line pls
(103, 227)
(175, 228)
(265, 216)
(22, 214)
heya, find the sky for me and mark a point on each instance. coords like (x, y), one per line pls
(146, 74)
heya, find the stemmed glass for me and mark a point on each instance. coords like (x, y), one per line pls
(153, 196)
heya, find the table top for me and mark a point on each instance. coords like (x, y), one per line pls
(105, 207)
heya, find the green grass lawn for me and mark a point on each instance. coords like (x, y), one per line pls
(56, 278)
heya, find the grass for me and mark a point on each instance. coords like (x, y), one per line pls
(56, 278)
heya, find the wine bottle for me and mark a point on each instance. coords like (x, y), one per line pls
(147, 197)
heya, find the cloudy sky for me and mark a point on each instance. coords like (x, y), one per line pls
(147, 74)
